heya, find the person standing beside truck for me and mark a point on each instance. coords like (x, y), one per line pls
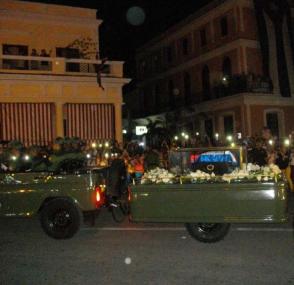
(258, 155)
(138, 163)
(116, 178)
(291, 175)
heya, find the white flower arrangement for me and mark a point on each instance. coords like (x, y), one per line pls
(236, 175)
(252, 167)
(158, 175)
(252, 172)
(199, 175)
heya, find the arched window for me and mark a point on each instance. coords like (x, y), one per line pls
(206, 83)
(187, 87)
(224, 26)
(227, 67)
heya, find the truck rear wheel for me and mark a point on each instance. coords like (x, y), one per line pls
(207, 232)
(60, 219)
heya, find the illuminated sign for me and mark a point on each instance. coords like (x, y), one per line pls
(141, 130)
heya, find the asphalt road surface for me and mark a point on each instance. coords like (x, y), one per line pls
(126, 253)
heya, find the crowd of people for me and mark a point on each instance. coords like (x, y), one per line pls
(67, 154)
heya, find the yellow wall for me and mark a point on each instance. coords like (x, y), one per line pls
(61, 93)
(42, 26)
(45, 26)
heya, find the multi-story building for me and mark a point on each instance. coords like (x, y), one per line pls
(49, 87)
(228, 68)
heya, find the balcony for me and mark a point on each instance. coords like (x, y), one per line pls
(14, 64)
(245, 83)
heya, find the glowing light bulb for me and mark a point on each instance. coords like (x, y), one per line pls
(229, 138)
(287, 142)
(26, 157)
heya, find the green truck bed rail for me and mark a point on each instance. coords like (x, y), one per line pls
(210, 203)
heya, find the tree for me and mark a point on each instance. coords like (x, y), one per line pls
(157, 132)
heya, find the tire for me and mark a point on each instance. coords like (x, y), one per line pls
(60, 219)
(206, 232)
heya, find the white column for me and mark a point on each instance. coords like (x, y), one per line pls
(242, 28)
(118, 121)
(244, 53)
(59, 119)
(288, 53)
(212, 31)
(248, 115)
(273, 66)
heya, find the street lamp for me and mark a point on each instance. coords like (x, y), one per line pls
(176, 138)
(94, 145)
(286, 142)
(26, 157)
(216, 136)
(271, 142)
(186, 137)
(197, 134)
(229, 138)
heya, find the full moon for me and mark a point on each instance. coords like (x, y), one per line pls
(135, 16)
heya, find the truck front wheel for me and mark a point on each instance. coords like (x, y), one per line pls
(207, 232)
(60, 218)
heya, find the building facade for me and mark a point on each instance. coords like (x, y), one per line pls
(52, 81)
(226, 69)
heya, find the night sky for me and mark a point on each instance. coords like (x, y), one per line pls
(118, 37)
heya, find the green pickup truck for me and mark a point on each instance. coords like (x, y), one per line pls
(207, 202)
(205, 189)
(60, 200)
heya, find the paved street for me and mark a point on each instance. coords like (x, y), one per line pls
(158, 254)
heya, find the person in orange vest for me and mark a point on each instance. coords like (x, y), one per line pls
(138, 164)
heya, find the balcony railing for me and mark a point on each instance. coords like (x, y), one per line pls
(59, 66)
